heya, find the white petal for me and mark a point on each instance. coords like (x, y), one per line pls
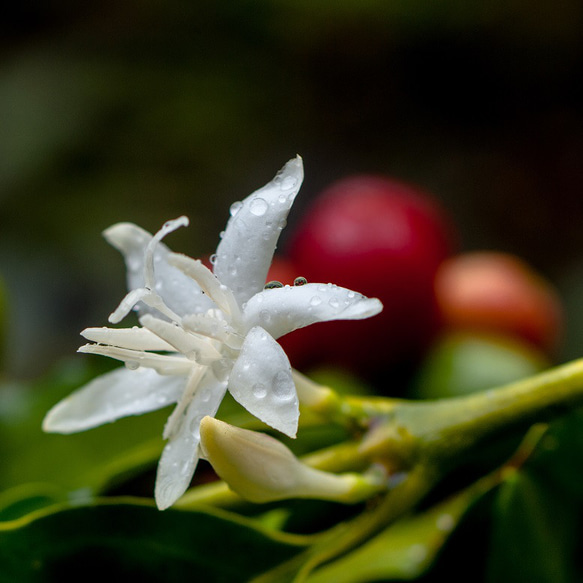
(199, 349)
(134, 338)
(208, 282)
(246, 249)
(161, 363)
(261, 381)
(116, 394)
(206, 325)
(281, 310)
(180, 293)
(128, 303)
(181, 454)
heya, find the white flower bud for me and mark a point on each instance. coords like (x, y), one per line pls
(260, 468)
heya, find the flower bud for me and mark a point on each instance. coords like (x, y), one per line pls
(261, 469)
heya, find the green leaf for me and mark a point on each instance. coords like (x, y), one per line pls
(406, 549)
(533, 533)
(559, 456)
(118, 540)
(23, 500)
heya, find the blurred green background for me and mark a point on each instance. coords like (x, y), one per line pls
(143, 111)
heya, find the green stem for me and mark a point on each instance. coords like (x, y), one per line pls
(346, 535)
(445, 429)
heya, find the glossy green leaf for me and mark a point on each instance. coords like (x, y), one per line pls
(533, 538)
(408, 548)
(22, 500)
(559, 456)
(115, 541)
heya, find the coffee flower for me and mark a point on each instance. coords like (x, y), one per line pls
(202, 332)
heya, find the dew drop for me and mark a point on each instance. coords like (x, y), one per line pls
(300, 281)
(283, 386)
(315, 301)
(213, 258)
(334, 303)
(134, 264)
(273, 284)
(418, 553)
(282, 223)
(282, 198)
(195, 426)
(445, 523)
(258, 207)
(259, 391)
(288, 183)
(235, 208)
(132, 365)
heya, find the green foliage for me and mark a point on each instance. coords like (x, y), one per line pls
(117, 540)
(53, 522)
(533, 533)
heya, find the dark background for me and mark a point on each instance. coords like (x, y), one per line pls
(145, 110)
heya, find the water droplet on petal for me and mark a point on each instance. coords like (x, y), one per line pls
(288, 183)
(195, 426)
(235, 208)
(132, 365)
(213, 258)
(334, 303)
(315, 301)
(283, 387)
(300, 281)
(258, 207)
(259, 391)
(134, 263)
(273, 285)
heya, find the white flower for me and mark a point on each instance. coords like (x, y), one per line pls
(203, 332)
